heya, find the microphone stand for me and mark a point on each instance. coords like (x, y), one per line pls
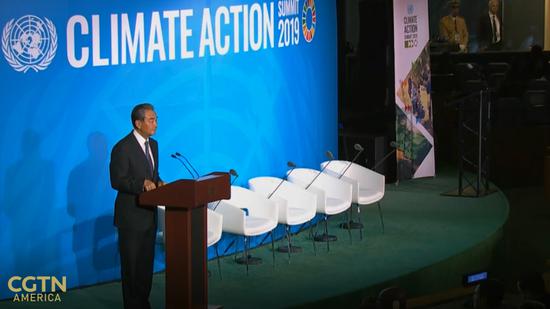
(289, 248)
(331, 158)
(292, 166)
(351, 224)
(191, 165)
(359, 151)
(394, 146)
(184, 165)
(231, 172)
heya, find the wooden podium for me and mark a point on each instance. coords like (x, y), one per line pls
(186, 234)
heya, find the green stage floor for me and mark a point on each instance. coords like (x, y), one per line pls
(429, 241)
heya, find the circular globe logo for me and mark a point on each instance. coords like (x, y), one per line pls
(29, 43)
(309, 20)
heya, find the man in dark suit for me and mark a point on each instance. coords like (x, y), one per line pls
(490, 28)
(134, 169)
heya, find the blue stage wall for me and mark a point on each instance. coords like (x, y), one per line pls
(68, 89)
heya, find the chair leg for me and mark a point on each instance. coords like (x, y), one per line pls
(350, 219)
(361, 224)
(287, 228)
(246, 253)
(313, 237)
(218, 260)
(326, 232)
(381, 217)
(272, 247)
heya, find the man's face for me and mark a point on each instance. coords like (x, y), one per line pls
(493, 6)
(455, 9)
(147, 126)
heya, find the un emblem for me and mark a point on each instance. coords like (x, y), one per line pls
(29, 43)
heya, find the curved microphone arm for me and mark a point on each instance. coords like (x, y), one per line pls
(233, 173)
(292, 167)
(359, 149)
(184, 165)
(330, 158)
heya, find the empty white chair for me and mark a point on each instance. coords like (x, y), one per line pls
(248, 213)
(296, 205)
(214, 223)
(368, 186)
(333, 196)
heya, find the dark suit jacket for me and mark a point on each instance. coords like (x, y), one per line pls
(485, 33)
(128, 169)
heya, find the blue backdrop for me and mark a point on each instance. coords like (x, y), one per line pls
(251, 110)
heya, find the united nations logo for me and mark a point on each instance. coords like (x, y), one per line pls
(29, 43)
(309, 19)
(410, 8)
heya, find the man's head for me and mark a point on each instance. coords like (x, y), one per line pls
(494, 6)
(144, 119)
(454, 6)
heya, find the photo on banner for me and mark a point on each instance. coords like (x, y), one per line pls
(414, 117)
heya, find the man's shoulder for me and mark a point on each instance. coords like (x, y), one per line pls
(125, 141)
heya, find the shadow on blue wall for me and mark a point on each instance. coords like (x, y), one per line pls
(90, 204)
(29, 206)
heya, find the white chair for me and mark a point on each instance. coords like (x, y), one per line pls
(333, 195)
(214, 223)
(368, 186)
(296, 205)
(248, 213)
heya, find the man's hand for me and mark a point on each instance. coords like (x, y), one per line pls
(148, 185)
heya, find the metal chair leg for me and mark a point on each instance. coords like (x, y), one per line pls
(272, 247)
(287, 228)
(350, 217)
(381, 217)
(361, 224)
(326, 232)
(313, 237)
(246, 253)
(218, 260)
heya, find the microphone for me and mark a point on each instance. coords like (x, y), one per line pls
(292, 167)
(184, 165)
(330, 157)
(393, 145)
(359, 149)
(233, 173)
(191, 165)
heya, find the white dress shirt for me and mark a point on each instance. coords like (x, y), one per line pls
(497, 24)
(141, 140)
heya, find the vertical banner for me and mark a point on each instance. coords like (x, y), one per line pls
(414, 118)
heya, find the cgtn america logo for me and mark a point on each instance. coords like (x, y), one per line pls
(29, 43)
(37, 289)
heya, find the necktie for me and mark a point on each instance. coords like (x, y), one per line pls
(494, 29)
(148, 156)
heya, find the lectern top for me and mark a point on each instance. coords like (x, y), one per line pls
(189, 193)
